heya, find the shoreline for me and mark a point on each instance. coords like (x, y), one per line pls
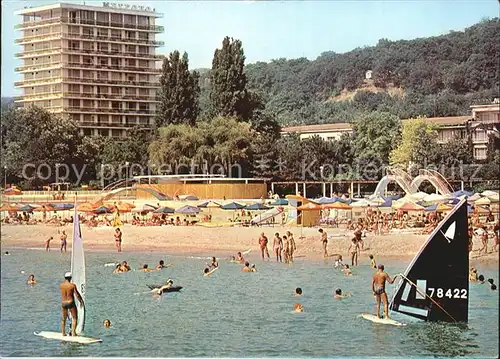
(223, 242)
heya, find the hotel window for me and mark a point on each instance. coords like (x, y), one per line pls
(143, 36)
(116, 90)
(103, 61)
(115, 62)
(480, 135)
(129, 19)
(131, 48)
(103, 17)
(116, 34)
(130, 34)
(102, 32)
(74, 30)
(117, 19)
(115, 47)
(87, 31)
(480, 153)
(74, 45)
(102, 46)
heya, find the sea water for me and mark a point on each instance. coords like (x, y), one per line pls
(230, 313)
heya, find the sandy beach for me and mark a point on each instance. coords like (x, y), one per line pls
(224, 241)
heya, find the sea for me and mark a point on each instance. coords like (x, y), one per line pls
(229, 314)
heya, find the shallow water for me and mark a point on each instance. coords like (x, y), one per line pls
(228, 314)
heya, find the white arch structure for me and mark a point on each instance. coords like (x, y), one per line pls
(410, 185)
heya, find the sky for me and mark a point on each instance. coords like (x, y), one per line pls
(276, 29)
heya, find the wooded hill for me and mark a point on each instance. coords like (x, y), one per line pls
(435, 76)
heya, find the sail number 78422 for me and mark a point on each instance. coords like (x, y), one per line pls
(448, 293)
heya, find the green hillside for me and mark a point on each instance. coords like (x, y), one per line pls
(435, 76)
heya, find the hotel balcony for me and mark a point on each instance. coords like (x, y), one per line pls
(119, 68)
(113, 39)
(117, 97)
(110, 111)
(66, 20)
(38, 67)
(39, 38)
(111, 53)
(38, 82)
(90, 124)
(35, 53)
(86, 81)
(38, 97)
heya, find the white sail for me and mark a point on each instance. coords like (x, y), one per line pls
(78, 270)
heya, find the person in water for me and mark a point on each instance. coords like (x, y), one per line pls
(145, 269)
(239, 258)
(31, 279)
(207, 272)
(298, 308)
(298, 292)
(47, 244)
(246, 268)
(118, 269)
(124, 267)
(164, 287)
(378, 288)
(492, 284)
(118, 239)
(64, 242)
(338, 262)
(253, 269)
(324, 240)
(473, 274)
(68, 294)
(214, 263)
(340, 295)
(373, 264)
(107, 323)
(480, 279)
(263, 245)
(6, 253)
(161, 265)
(347, 270)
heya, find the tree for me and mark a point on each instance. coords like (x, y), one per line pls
(179, 92)
(34, 141)
(228, 93)
(418, 144)
(374, 137)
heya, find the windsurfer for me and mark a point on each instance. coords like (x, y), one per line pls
(68, 293)
(378, 287)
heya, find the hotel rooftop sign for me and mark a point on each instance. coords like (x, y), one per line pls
(128, 7)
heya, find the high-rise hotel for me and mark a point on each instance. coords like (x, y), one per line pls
(97, 65)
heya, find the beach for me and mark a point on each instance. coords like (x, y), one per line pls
(225, 241)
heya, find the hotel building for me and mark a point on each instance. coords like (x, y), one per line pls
(96, 65)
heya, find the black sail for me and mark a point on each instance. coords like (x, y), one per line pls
(435, 286)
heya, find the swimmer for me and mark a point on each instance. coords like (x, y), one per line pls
(31, 279)
(347, 270)
(240, 258)
(214, 264)
(124, 267)
(6, 253)
(107, 323)
(161, 265)
(145, 269)
(480, 279)
(163, 288)
(298, 308)
(473, 274)
(207, 271)
(492, 284)
(246, 268)
(298, 292)
(372, 261)
(338, 262)
(339, 295)
(253, 269)
(117, 269)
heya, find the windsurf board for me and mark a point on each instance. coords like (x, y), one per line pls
(67, 338)
(373, 318)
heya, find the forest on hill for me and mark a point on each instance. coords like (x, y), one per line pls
(436, 76)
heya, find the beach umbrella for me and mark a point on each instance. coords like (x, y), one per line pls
(386, 204)
(377, 199)
(280, 202)
(164, 210)
(418, 196)
(489, 193)
(326, 200)
(361, 203)
(232, 205)
(472, 198)
(461, 193)
(441, 207)
(86, 207)
(102, 210)
(26, 208)
(188, 210)
(8, 208)
(12, 191)
(122, 207)
(256, 207)
(494, 198)
(435, 198)
(337, 205)
(482, 210)
(208, 204)
(309, 207)
(409, 206)
(144, 208)
(484, 200)
(431, 208)
(62, 206)
(188, 197)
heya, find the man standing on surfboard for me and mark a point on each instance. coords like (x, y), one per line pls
(68, 293)
(378, 287)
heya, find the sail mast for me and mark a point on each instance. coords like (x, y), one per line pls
(78, 269)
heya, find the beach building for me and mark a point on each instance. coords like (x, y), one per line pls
(481, 128)
(96, 65)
